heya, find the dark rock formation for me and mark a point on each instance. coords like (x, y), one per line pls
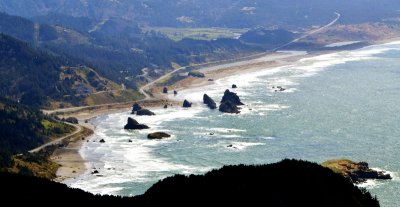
(165, 90)
(210, 79)
(133, 124)
(72, 120)
(196, 74)
(136, 107)
(356, 172)
(145, 112)
(158, 135)
(165, 106)
(187, 104)
(234, 86)
(230, 102)
(229, 107)
(232, 97)
(102, 141)
(130, 140)
(95, 172)
(175, 92)
(209, 101)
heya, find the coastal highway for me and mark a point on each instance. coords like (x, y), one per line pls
(311, 32)
(78, 129)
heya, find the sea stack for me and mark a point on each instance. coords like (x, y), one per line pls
(158, 135)
(187, 104)
(230, 102)
(136, 107)
(165, 90)
(209, 102)
(134, 125)
(145, 112)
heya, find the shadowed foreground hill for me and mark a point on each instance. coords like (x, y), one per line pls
(287, 183)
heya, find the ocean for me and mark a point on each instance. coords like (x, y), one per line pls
(339, 105)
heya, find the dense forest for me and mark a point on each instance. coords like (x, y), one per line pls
(118, 49)
(22, 129)
(287, 183)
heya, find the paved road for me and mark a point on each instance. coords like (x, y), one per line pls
(311, 32)
(59, 140)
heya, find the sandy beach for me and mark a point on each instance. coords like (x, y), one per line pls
(71, 162)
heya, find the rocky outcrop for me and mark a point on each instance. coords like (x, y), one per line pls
(356, 172)
(134, 125)
(145, 112)
(196, 74)
(72, 120)
(136, 107)
(230, 102)
(234, 86)
(209, 102)
(229, 107)
(165, 90)
(186, 104)
(232, 97)
(158, 135)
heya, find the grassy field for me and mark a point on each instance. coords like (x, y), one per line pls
(177, 34)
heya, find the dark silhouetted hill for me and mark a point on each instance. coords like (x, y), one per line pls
(284, 184)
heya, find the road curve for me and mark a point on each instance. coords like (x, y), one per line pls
(78, 129)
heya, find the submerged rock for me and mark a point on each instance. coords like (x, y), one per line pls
(158, 135)
(145, 112)
(136, 107)
(356, 172)
(133, 124)
(186, 104)
(209, 101)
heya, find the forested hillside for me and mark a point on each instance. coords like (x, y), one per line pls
(209, 13)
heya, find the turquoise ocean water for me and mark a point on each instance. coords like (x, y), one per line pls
(340, 105)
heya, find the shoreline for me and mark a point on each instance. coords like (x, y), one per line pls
(72, 163)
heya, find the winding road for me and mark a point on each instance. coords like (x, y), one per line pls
(78, 129)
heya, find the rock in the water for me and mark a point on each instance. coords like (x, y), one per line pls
(158, 135)
(136, 107)
(165, 90)
(210, 79)
(196, 74)
(230, 102)
(102, 141)
(145, 112)
(229, 107)
(175, 92)
(165, 106)
(232, 97)
(130, 140)
(355, 172)
(234, 86)
(187, 104)
(133, 124)
(72, 120)
(95, 172)
(209, 101)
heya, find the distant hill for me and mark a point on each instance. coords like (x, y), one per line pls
(210, 13)
(268, 38)
(287, 183)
